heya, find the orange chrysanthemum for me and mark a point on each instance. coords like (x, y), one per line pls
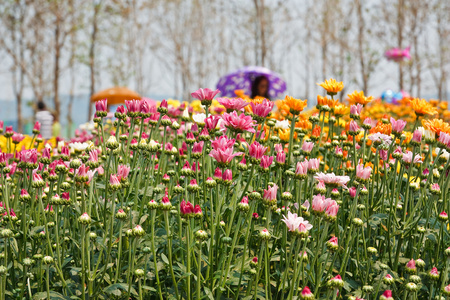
(422, 107)
(382, 128)
(325, 101)
(436, 125)
(316, 131)
(304, 124)
(332, 86)
(295, 105)
(358, 97)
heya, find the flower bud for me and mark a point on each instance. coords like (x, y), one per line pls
(84, 219)
(387, 295)
(412, 287)
(138, 231)
(121, 215)
(47, 260)
(388, 279)
(357, 222)
(420, 263)
(139, 273)
(152, 204)
(264, 234)
(335, 282)
(201, 235)
(306, 294)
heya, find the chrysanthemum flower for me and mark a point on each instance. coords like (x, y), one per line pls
(332, 86)
(358, 97)
(422, 107)
(295, 105)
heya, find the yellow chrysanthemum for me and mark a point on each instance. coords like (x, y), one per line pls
(332, 86)
(358, 97)
(341, 110)
(284, 134)
(197, 105)
(295, 105)
(422, 107)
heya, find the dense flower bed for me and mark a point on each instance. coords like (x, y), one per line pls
(234, 199)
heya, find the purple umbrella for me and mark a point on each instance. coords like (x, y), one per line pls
(242, 80)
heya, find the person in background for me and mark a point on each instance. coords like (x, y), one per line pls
(260, 87)
(56, 128)
(45, 118)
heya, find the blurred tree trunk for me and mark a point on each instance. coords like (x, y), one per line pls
(97, 7)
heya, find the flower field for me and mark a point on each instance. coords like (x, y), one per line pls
(232, 198)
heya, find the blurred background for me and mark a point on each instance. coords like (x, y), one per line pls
(64, 51)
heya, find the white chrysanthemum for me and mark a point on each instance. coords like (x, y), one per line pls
(282, 124)
(78, 146)
(199, 118)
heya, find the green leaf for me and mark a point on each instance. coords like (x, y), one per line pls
(115, 289)
(164, 258)
(53, 295)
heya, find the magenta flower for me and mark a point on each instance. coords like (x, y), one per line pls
(362, 173)
(266, 161)
(434, 272)
(133, 106)
(218, 174)
(224, 156)
(307, 147)
(333, 242)
(17, 137)
(256, 150)
(205, 94)
(352, 191)
(262, 109)
(302, 168)
(355, 110)
(295, 223)
(278, 147)
(407, 157)
(332, 209)
(332, 179)
(9, 130)
(270, 195)
(29, 156)
(319, 203)
(238, 123)
(123, 171)
(227, 176)
(37, 127)
(444, 139)
(101, 105)
(354, 128)
(281, 157)
(222, 142)
(397, 54)
(93, 155)
(397, 126)
(197, 147)
(314, 164)
(387, 295)
(233, 103)
(369, 123)
(145, 107)
(306, 293)
(114, 181)
(211, 122)
(411, 265)
(186, 208)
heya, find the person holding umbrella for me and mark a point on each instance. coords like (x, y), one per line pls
(260, 87)
(254, 81)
